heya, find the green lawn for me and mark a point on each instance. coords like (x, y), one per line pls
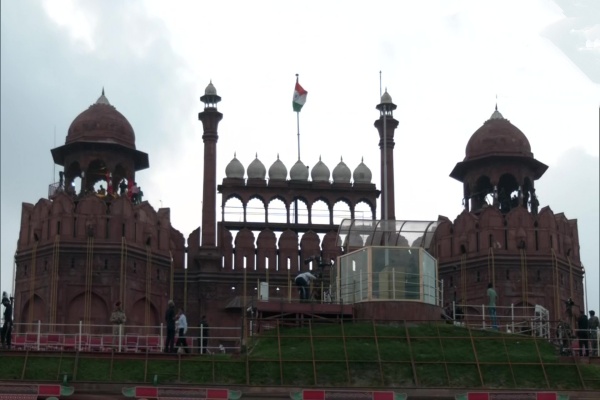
(336, 355)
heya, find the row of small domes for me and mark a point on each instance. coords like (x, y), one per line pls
(299, 172)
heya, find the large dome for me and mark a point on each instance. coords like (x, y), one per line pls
(497, 136)
(101, 123)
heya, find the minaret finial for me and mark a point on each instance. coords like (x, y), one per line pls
(102, 90)
(496, 102)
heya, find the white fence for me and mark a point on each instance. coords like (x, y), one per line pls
(129, 338)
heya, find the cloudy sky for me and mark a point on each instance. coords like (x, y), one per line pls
(444, 64)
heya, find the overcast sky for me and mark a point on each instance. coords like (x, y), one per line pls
(443, 62)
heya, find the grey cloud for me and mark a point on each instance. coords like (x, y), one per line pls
(572, 35)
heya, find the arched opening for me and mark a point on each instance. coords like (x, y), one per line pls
(482, 194)
(508, 192)
(320, 213)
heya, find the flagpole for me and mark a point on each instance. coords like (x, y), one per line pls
(298, 124)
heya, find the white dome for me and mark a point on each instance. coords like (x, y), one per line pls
(278, 171)
(210, 89)
(320, 172)
(362, 173)
(341, 173)
(234, 169)
(256, 169)
(299, 172)
(386, 98)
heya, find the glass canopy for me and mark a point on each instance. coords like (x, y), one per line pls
(356, 233)
(386, 273)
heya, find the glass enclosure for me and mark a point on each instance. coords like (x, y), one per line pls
(386, 273)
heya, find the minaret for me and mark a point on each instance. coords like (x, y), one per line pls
(386, 125)
(210, 118)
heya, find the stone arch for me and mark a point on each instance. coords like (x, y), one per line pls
(244, 248)
(508, 188)
(226, 245)
(137, 316)
(266, 249)
(95, 173)
(256, 209)
(299, 210)
(288, 249)
(100, 312)
(482, 188)
(310, 246)
(73, 174)
(342, 209)
(277, 210)
(320, 211)
(364, 209)
(40, 312)
(233, 205)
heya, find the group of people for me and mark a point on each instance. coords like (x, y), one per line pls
(177, 321)
(133, 192)
(587, 333)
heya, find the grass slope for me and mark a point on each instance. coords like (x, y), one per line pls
(337, 355)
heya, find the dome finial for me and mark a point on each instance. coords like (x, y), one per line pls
(102, 99)
(496, 114)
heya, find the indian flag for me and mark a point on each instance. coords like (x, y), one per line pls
(299, 97)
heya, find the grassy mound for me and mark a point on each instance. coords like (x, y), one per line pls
(336, 355)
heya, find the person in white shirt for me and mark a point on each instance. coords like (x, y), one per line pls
(183, 327)
(303, 282)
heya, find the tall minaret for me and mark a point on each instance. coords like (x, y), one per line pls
(210, 118)
(386, 125)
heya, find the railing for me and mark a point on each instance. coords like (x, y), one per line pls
(530, 321)
(99, 338)
(392, 285)
(127, 338)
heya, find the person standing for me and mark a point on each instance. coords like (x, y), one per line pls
(6, 333)
(183, 327)
(593, 324)
(122, 187)
(303, 283)
(134, 193)
(118, 318)
(493, 296)
(582, 333)
(170, 320)
(204, 334)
